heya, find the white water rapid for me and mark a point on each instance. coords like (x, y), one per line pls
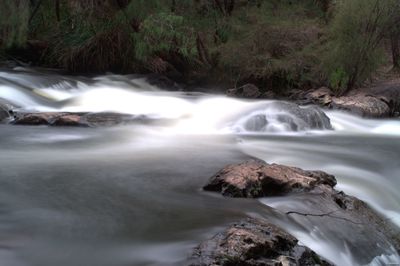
(130, 195)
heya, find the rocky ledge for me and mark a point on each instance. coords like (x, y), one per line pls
(362, 104)
(255, 178)
(254, 242)
(103, 119)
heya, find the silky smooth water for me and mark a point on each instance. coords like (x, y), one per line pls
(131, 195)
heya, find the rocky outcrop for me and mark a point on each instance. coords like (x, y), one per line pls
(256, 178)
(364, 105)
(48, 118)
(361, 104)
(255, 243)
(390, 94)
(76, 119)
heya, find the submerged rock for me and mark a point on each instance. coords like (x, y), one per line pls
(6, 110)
(312, 116)
(255, 243)
(4, 114)
(106, 119)
(284, 116)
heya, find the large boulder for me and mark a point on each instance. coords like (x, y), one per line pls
(390, 94)
(255, 243)
(255, 178)
(364, 105)
(284, 116)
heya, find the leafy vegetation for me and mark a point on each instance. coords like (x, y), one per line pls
(277, 44)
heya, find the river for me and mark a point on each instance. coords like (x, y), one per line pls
(131, 194)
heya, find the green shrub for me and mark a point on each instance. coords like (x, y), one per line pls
(353, 51)
(14, 20)
(164, 32)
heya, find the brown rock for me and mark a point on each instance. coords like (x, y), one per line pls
(256, 178)
(254, 242)
(74, 119)
(321, 96)
(363, 105)
(35, 119)
(68, 120)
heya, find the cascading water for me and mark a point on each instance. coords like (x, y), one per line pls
(129, 195)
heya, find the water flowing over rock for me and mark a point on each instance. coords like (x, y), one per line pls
(255, 178)
(3, 113)
(6, 110)
(254, 242)
(284, 116)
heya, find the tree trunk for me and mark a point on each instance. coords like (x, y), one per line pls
(395, 47)
(57, 7)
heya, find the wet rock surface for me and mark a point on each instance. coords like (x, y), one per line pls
(362, 104)
(313, 200)
(6, 111)
(255, 178)
(312, 116)
(254, 242)
(4, 114)
(78, 119)
(278, 116)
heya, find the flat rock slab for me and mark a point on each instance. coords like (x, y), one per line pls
(76, 119)
(254, 242)
(362, 104)
(255, 178)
